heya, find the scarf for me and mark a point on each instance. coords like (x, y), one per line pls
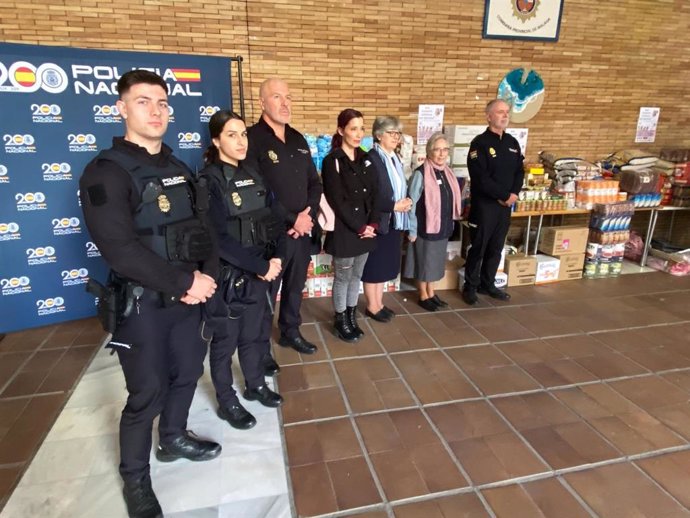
(432, 197)
(397, 179)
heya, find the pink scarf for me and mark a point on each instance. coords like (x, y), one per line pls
(432, 196)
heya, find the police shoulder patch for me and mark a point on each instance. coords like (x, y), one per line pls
(473, 154)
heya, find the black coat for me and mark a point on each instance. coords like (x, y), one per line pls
(384, 196)
(351, 193)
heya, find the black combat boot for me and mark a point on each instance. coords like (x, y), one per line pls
(343, 328)
(352, 318)
(141, 500)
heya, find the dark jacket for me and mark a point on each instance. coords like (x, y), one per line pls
(384, 196)
(351, 193)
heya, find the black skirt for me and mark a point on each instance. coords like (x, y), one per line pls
(383, 263)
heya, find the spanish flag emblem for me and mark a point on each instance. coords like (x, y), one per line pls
(25, 76)
(189, 75)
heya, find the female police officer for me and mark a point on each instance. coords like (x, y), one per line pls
(251, 247)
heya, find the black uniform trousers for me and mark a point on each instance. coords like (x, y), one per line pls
(161, 353)
(294, 276)
(489, 223)
(237, 325)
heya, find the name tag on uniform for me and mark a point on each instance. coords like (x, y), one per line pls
(244, 183)
(175, 180)
(303, 151)
(513, 150)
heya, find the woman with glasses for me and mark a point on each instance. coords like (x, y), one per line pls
(349, 184)
(383, 263)
(436, 193)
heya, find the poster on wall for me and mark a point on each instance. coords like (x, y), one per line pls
(646, 124)
(429, 121)
(58, 110)
(523, 19)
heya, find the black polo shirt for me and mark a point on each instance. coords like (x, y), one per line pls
(495, 164)
(287, 168)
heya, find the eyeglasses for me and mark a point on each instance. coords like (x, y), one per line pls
(441, 150)
(394, 134)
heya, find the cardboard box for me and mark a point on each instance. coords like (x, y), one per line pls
(563, 240)
(520, 270)
(547, 269)
(571, 266)
(450, 279)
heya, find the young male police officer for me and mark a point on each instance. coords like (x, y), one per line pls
(142, 211)
(281, 154)
(496, 174)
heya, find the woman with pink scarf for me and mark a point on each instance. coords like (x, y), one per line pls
(436, 197)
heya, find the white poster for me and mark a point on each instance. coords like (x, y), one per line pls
(429, 120)
(646, 124)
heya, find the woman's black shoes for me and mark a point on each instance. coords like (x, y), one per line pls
(439, 302)
(351, 313)
(380, 316)
(344, 329)
(428, 304)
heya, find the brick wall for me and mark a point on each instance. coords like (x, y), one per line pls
(388, 57)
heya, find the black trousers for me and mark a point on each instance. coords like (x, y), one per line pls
(161, 353)
(489, 225)
(293, 275)
(237, 325)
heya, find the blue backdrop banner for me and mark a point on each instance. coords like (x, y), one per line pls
(58, 110)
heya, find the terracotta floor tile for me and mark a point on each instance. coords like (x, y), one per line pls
(9, 477)
(372, 384)
(68, 369)
(577, 346)
(492, 458)
(433, 377)
(321, 442)
(466, 505)
(672, 472)
(608, 365)
(543, 498)
(557, 373)
(448, 329)
(43, 361)
(10, 410)
(568, 445)
(637, 432)
(312, 490)
(501, 333)
(620, 490)
(24, 384)
(10, 364)
(530, 351)
(353, 483)
(471, 419)
(679, 379)
(379, 433)
(364, 347)
(369, 514)
(311, 404)
(650, 392)
(534, 411)
(489, 317)
(402, 334)
(676, 417)
(28, 340)
(26, 434)
(505, 379)
(480, 356)
(596, 400)
(306, 376)
(418, 470)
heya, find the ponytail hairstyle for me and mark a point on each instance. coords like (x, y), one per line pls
(215, 128)
(344, 119)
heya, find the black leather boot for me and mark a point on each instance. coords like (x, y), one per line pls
(141, 500)
(343, 328)
(352, 318)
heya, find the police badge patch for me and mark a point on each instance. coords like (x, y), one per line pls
(272, 155)
(236, 199)
(163, 203)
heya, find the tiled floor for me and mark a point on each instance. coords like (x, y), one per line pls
(571, 400)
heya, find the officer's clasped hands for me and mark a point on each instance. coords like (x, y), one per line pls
(274, 269)
(202, 289)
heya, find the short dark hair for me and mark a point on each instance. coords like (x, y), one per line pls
(135, 77)
(215, 128)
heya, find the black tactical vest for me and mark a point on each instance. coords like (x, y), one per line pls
(249, 217)
(168, 217)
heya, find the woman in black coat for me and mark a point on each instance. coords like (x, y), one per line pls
(349, 185)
